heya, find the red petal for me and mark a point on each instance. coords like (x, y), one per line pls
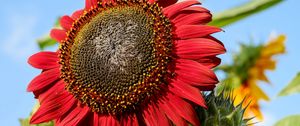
(161, 118)
(193, 73)
(100, 120)
(53, 108)
(190, 10)
(151, 1)
(111, 121)
(188, 92)
(90, 3)
(172, 10)
(75, 116)
(165, 3)
(77, 14)
(105, 2)
(207, 87)
(214, 39)
(88, 120)
(66, 22)
(104, 120)
(197, 9)
(97, 119)
(188, 18)
(44, 79)
(135, 121)
(58, 34)
(150, 117)
(210, 62)
(184, 109)
(169, 111)
(44, 60)
(197, 48)
(55, 91)
(129, 120)
(195, 31)
(154, 117)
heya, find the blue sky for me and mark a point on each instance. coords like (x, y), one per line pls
(22, 22)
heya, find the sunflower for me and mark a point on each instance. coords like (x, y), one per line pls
(249, 68)
(127, 62)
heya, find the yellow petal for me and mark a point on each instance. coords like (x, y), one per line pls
(263, 77)
(266, 63)
(238, 95)
(255, 109)
(257, 73)
(244, 93)
(257, 92)
(275, 46)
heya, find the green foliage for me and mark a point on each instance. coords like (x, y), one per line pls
(293, 120)
(47, 41)
(292, 88)
(221, 112)
(240, 12)
(237, 72)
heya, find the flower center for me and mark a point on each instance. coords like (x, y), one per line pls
(116, 56)
(113, 50)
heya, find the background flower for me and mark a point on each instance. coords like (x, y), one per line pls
(249, 67)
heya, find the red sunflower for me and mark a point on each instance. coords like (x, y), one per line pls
(129, 63)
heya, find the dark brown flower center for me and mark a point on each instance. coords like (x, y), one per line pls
(113, 50)
(116, 57)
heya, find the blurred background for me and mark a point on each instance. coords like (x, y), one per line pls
(23, 22)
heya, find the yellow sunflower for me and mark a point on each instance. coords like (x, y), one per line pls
(248, 68)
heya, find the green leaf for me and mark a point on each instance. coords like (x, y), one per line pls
(293, 87)
(240, 12)
(47, 41)
(293, 120)
(24, 122)
(237, 72)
